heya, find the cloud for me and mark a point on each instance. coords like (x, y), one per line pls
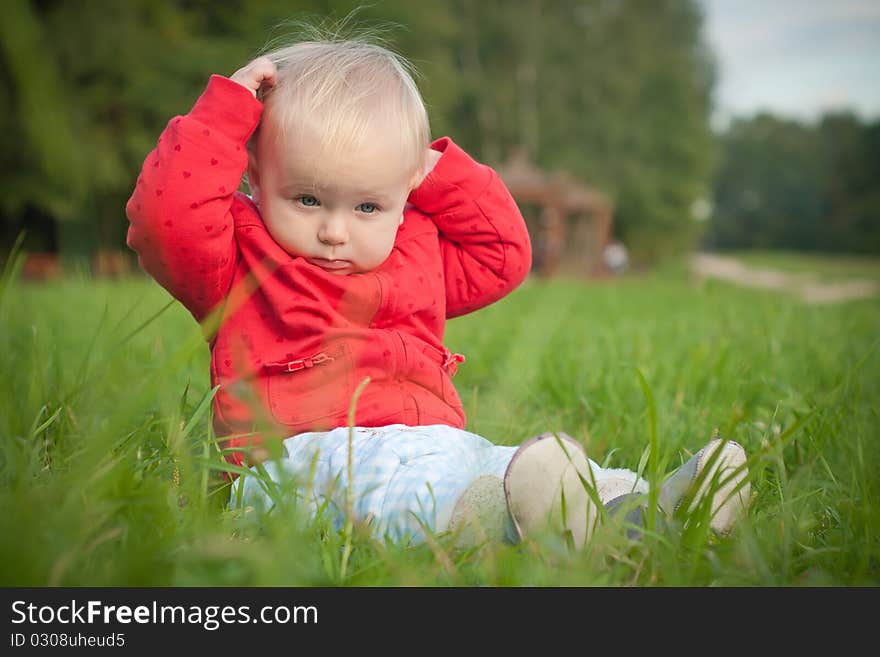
(795, 57)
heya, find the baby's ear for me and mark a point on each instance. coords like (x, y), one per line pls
(429, 159)
(416, 179)
(419, 174)
(253, 176)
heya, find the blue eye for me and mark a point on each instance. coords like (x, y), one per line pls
(308, 201)
(367, 208)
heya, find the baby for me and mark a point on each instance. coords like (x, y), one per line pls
(326, 291)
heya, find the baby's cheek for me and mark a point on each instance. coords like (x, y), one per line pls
(286, 234)
(379, 253)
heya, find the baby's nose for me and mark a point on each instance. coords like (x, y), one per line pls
(333, 233)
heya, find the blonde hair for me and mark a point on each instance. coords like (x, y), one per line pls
(343, 88)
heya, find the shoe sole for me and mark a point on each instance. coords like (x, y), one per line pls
(731, 497)
(480, 514)
(545, 470)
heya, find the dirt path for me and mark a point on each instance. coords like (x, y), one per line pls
(807, 286)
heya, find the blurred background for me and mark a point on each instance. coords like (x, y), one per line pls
(629, 131)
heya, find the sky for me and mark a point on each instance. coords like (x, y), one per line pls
(795, 58)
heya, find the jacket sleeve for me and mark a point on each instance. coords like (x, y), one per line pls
(180, 212)
(485, 245)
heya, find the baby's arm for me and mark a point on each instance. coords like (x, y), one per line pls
(483, 237)
(180, 213)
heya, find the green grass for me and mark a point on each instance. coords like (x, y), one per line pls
(106, 451)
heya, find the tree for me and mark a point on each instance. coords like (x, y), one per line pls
(785, 184)
(851, 153)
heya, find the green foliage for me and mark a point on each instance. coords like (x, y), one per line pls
(109, 473)
(784, 184)
(614, 92)
(45, 163)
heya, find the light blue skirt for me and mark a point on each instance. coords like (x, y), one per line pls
(405, 480)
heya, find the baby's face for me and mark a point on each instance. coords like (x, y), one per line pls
(339, 212)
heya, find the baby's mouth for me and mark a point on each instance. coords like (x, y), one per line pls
(329, 265)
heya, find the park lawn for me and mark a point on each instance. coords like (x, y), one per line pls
(108, 470)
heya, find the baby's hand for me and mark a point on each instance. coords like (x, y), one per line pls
(260, 72)
(431, 159)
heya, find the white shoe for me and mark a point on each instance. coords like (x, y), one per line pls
(545, 488)
(723, 473)
(480, 515)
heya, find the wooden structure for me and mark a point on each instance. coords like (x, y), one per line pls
(112, 263)
(570, 224)
(41, 266)
(104, 263)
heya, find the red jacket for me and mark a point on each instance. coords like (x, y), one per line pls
(289, 341)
